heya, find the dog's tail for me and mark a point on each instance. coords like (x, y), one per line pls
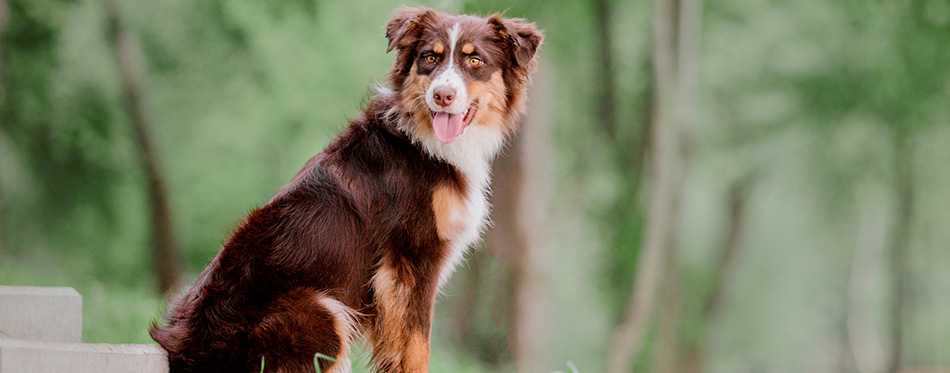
(172, 336)
(167, 336)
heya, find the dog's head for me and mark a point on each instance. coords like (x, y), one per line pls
(456, 74)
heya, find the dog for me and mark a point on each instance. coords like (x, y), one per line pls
(361, 239)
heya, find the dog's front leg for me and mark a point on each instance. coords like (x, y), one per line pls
(404, 302)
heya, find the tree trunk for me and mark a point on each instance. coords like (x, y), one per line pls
(129, 57)
(688, 14)
(664, 198)
(528, 155)
(675, 52)
(667, 340)
(900, 243)
(4, 11)
(506, 243)
(866, 345)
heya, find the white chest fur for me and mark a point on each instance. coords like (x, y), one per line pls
(460, 219)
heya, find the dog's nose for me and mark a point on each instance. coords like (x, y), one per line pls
(443, 96)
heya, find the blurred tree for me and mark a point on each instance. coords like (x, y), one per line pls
(650, 264)
(164, 245)
(627, 146)
(506, 241)
(686, 39)
(913, 71)
(900, 245)
(4, 8)
(895, 88)
(865, 343)
(606, 96)
(694, 350)
(676, 35)
(528, 313)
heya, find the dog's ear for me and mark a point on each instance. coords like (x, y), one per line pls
(520, 38)
(404, 28)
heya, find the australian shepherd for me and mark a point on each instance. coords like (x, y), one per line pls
(358, 243)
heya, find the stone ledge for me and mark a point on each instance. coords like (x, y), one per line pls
(52, 314)
(51, 357)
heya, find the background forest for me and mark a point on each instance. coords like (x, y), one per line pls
(726, 186)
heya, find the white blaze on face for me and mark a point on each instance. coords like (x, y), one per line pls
(449, 122)
(452, 78)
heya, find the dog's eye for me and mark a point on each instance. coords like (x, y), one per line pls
(475, 61)
(430, 59)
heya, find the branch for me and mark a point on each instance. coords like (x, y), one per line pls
(737, 200)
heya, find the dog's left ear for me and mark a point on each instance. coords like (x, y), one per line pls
(404, 28)
(521, 38)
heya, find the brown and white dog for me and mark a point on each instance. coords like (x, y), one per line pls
(360, 240)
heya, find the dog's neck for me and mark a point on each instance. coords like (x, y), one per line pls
(471, 153)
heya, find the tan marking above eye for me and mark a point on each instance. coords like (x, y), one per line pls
(475, 61)
(468, 48)
(438, 47)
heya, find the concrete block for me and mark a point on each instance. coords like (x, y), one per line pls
(18, 356)
(51, 314)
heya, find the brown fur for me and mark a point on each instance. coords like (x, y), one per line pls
(412, 98)
(492, 106)
(356, 242)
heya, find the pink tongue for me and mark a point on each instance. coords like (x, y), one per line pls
(447, 126)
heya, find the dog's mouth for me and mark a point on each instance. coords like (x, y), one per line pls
(448, 126)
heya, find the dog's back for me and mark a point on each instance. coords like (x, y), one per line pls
(277, 284)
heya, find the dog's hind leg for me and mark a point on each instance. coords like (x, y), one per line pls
(302, 328)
